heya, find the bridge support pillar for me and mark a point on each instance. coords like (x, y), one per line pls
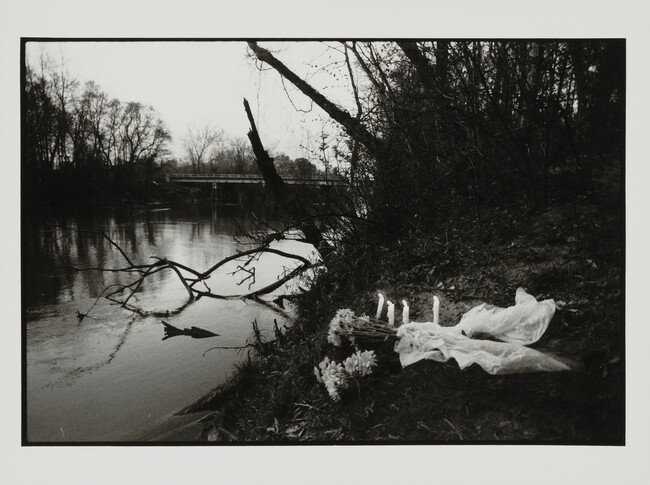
(214, 194)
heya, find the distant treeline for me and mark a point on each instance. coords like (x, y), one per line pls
(78, 142)
(79, 139)
(208, 150)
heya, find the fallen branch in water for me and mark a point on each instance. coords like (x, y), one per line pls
(194, 332)
(122, 294)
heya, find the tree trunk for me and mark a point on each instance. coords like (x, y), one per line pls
(442, 64)
(579, 73)
(303, 218)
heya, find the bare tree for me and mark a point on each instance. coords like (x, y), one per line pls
(198, 144)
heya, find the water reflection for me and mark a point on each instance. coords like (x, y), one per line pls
(69, 375)
(52, 247)
(110, 376)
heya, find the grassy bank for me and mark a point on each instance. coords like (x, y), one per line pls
(571, 252)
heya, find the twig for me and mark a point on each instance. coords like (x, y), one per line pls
(180, 276)
(454, 428)
(308, 406)
(236, 347)
(251, 275)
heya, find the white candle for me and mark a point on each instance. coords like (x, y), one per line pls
(436, 310)
(405, 312)
(380, 306)
(391, 313)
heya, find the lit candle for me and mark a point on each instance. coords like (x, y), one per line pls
(380, 306)
(391, 313)
(405, 312)
(436, 310)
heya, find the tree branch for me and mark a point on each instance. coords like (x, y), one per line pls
(189, 282)
(353, 126)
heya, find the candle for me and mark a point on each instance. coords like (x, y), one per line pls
(405, 312)
(380, 306)
(436, 310)
(391, 313)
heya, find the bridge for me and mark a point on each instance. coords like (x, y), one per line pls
(246, 178)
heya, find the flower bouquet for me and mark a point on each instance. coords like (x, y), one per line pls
(346, 324)
(336, 377)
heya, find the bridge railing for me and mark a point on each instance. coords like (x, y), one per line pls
(216, 175)
(249, 176)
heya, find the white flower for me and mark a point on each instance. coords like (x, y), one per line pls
(350, 365)
(333, 377)
(345, 315)
(333, 332)
(360, 363)
(336, 377)
(339, 325)
(334, 338)
(368, 360)
(324, 363)
(319, 378)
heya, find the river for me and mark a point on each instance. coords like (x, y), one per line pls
(110, 377)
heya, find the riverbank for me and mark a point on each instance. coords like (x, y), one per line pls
(66, 200)
(571, 252)
(161, 192)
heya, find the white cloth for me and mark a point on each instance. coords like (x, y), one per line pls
(522, 324)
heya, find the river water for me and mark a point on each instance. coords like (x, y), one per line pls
(110, 376)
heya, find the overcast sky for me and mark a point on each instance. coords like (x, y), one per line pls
(194, 83)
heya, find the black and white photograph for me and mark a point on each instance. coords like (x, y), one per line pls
(408, 241)
(326, 244)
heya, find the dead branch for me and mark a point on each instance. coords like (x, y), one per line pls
(249, 272)
(194, 332)
(267, 289)
(290, 203)
(352, 125)
(122, 294)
